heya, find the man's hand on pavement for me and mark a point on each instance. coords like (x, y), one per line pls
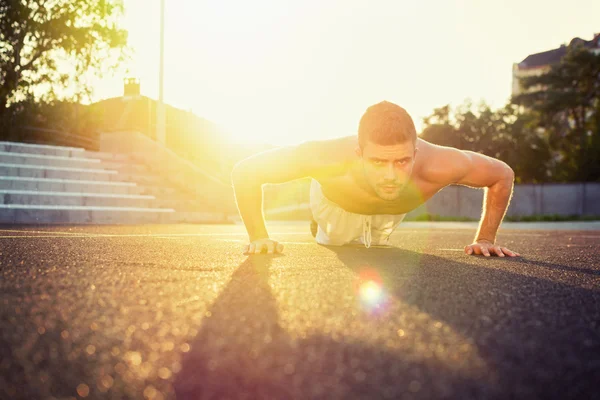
(488, 248)
(257, 246)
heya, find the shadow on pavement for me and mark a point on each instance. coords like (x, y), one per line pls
(538, 332)
(241, 351)
(554, 266)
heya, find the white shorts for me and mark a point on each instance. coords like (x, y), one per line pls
(338, 226)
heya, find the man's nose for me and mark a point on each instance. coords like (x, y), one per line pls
(390, 172)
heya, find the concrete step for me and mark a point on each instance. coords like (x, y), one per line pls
(160, 192)
(142, 179)
(99, 155)
(25, 197)
(28, 214)
(16, 147)
(73, 185)
(125, 167)
(50, 161)
(43, 171)
(14, 214)
(184, 204)
(165, 197)
(77, 185)
(54, 184)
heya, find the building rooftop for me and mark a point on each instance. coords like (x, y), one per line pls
(553, 56)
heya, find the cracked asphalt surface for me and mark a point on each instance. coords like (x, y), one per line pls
(164, 312)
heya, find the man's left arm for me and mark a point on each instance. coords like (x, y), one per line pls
(497, 178)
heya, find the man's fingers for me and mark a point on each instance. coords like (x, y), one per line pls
(259, 248)
(275, 247)
(279, 248)
(489, 251)
(271, 247)
(508, 252)
(498, 251)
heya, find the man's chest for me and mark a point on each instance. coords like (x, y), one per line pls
(352, 197)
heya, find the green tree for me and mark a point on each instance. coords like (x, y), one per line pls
(438, 128)
(505, 134)
(50, 48)
(526, 149)
(566, 102)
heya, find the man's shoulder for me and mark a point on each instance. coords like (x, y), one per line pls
(434, 162)
(333, 150)
(331, 157)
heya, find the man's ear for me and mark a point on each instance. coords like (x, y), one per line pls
(358, 151)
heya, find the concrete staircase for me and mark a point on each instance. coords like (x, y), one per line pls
(41, 184)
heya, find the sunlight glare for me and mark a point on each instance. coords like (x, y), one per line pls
(276, 72)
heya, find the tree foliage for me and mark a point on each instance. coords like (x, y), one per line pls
(49, 48)
(565, 101)
(504, 134)
(550, 133)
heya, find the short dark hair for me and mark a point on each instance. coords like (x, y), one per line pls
(386, 123)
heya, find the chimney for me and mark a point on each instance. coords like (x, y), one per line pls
(131, 87)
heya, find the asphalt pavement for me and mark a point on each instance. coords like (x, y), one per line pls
(177, 311)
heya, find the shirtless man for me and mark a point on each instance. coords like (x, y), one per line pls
(363, 186)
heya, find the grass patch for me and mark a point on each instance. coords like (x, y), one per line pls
(435, 217)
(552, 218)
(305, 215)
(524, 218)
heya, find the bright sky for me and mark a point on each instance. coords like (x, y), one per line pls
(282, 72)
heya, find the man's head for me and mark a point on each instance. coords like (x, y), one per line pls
(387, 144)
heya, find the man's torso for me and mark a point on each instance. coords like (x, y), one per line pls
(342, 181)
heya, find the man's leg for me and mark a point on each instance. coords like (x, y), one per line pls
(383, 227)
(332, 224)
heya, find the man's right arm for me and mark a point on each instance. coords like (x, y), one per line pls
(274, 166)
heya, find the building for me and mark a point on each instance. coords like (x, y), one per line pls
(191, 137)
(540, 63)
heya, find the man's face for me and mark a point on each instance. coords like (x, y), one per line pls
(388, 168)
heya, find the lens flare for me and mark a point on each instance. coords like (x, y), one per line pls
(371, 293)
